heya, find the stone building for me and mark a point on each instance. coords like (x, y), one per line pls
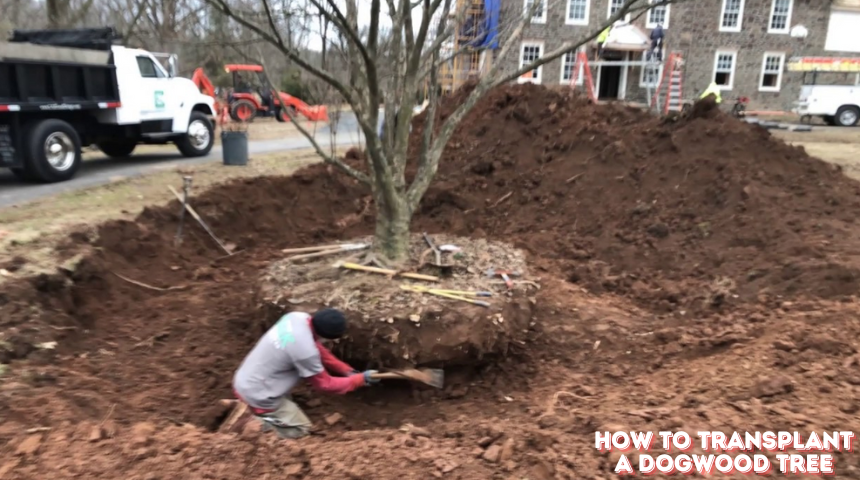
(743, 45)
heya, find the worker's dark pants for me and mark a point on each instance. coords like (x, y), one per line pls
(656, 47)
(600, 50)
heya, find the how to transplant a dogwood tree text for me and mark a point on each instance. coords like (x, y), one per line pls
(725, 453)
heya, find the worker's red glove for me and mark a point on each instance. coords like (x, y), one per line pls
(358, 380)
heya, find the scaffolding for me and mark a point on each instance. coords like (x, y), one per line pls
(466, 62)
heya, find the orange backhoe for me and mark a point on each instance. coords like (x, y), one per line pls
(248, 98)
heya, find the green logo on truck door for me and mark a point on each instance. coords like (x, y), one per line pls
(159, 100)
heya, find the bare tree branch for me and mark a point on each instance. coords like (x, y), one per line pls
(430, 164)
(392, 68)
(294, 56)
(271, 20)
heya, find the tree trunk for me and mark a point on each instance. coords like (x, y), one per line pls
(56, 12)
(391, 238)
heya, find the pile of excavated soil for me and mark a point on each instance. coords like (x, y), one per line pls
(393, 327)
(620, 201)
(696, 275)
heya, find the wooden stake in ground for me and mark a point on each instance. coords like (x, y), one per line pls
(149, 287)
(239, 409)
(186, 185)
(199, 220)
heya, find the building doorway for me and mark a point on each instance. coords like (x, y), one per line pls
(612, 79)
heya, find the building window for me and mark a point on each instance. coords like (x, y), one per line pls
(843, 30)
(724, 69)
(732, 16)
(568, 64)
(651, 74)
(771, 72)
(614, 6)
(780, 16)
(657, 16)
(531, 52)
(577, 12)
(540, 14)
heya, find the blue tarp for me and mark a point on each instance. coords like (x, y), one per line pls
(491, 24)
(486, 32)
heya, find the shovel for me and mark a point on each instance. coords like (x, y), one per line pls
(429, 376)
(443, 267)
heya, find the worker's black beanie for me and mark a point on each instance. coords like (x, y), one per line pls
(329, 323)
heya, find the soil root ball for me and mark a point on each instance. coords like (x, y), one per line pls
(390, 326)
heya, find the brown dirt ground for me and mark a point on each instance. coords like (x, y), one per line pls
(30, 234)
(699, 274)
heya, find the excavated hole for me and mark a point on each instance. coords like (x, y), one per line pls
(393, 328)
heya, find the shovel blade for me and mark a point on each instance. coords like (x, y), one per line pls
(434, 377)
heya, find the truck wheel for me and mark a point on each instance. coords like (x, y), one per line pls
(52, 151)
(847, 116)
(200, 137)
(118, 148)
(243, 111)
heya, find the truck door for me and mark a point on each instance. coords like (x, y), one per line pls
(157, 101)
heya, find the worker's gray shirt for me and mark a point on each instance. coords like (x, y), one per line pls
(285, 354)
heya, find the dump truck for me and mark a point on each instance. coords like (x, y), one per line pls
(62, 90)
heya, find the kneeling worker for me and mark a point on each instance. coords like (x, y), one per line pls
(288, 352)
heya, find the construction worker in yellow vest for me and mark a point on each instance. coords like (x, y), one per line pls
(713, 89)
(601, 40)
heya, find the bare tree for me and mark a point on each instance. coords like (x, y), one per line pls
(390, 67)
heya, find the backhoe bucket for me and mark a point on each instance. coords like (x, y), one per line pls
(317, 113)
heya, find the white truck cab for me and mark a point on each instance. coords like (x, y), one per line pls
(149, 93)
(835, 104)
(160, 102)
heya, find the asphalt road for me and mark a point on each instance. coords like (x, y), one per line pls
(104, 170)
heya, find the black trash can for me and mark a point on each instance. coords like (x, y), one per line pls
(234, 148)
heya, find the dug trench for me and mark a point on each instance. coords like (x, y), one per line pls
(696, 274)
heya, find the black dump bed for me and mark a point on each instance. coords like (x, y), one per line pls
(58, 70)
(84, 38)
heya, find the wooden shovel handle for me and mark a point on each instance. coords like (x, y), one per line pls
(318, 248)
(387, 375)
(385, 271)
(316, 254)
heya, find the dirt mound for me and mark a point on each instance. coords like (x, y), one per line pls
(705, 108)
(620, 201)
(689, 268)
